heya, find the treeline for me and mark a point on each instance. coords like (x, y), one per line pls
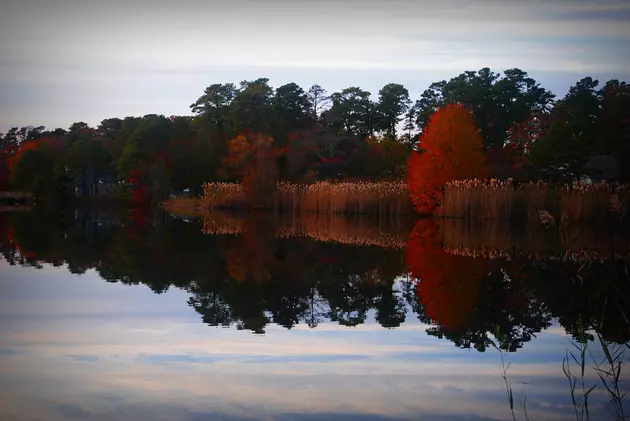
(309, 135)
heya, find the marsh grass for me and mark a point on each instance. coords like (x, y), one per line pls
(223, 196)
(577, 383)
(609, 372)
(497, 199)
(575, 366)
(504, 370)
(386, 199)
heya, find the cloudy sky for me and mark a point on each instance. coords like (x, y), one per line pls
(68, 60)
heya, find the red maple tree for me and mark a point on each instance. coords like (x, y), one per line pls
(449, 148)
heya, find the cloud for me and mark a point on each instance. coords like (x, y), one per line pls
(130, 59)
(72, 411)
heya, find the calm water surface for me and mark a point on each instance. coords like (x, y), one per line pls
(117, 316)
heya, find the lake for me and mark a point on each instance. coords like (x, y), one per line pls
(116, 315)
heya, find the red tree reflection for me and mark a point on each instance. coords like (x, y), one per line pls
(449, 285)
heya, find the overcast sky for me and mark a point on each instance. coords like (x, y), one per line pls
(63, 61)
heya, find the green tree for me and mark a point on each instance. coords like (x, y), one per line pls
(86, 157)
(318, 99)
(79, 130)
(109, 128)
(17, 135)
(352, 112)
(614, 123)
(573, 135)
(393, 103)
(214, 106)
(35, 172)
(410, 124)
(34, 132)
(252, 107)
(293, 107)
(497, 103)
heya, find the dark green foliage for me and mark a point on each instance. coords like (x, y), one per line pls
(586, 123)
(352, 113)
(252, 107)
(35, 172)
(496, 102)
(393, 103)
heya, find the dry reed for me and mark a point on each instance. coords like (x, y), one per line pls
(378, 198)
(223, 196)
(496, 199)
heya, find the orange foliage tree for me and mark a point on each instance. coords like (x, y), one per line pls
(251, 158)
(449, 285)
(51, 144)
(449, 148)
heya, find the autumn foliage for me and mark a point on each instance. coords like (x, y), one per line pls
(51, 144)
(251, 159)
(449, 148)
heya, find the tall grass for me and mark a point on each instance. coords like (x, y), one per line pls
(496, 199)
(376, 198)
(581, 382)
(223, 196)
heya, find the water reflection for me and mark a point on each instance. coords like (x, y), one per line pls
(249, 271)
(430, 284)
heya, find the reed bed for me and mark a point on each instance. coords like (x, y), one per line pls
(498, 199)
(369, 198)
(319, 227)
(223, 196)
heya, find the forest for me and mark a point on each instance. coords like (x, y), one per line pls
(302, 135)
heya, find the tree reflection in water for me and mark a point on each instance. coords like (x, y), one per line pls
(248, 271)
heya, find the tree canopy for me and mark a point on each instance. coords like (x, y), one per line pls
(344, 134)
